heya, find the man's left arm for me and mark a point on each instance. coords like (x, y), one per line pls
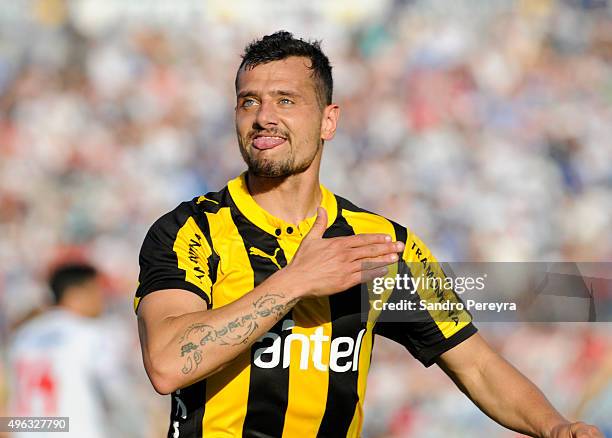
(506, 395)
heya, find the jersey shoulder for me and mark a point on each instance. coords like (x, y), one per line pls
(177, 251)
(196, 208)
(365, 221)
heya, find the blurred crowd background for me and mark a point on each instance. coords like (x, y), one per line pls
(485, 126)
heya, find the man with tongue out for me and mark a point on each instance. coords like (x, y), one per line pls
(249, 298)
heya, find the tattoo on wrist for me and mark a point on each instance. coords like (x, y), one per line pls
(236, 332)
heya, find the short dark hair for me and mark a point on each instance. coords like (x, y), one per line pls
(69, 275)
(281, 45)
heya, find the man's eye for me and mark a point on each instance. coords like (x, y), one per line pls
(285, 101)
(248, 103)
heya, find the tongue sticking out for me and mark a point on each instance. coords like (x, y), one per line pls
(267, 142)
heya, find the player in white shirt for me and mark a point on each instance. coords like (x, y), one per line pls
(60, 361)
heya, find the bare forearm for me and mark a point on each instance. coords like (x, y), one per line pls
(195, 345)
(509, 398)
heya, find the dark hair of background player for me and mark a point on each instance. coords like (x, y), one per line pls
(70, 275)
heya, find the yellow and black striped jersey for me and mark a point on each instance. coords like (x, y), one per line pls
(307, 376)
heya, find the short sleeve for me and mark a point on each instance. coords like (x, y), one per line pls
(176, 254)
(426, 333)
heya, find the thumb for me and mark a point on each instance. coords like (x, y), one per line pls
(319, 226)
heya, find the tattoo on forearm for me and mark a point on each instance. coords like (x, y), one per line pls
(187, 348)
(234, 333)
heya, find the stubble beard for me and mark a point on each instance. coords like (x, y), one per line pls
(276, 168)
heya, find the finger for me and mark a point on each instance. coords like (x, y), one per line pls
(369, 274)
(365, 239)
(319, 226)
(376, 250)
(373, 263)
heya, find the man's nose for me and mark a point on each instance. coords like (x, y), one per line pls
(266, 115)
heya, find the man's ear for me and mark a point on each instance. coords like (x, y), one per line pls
(329, 121)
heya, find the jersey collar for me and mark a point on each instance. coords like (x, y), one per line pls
(271, 224)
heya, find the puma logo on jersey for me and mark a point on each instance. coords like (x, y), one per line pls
(341, 347)
(258, 252)
(204, 198)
